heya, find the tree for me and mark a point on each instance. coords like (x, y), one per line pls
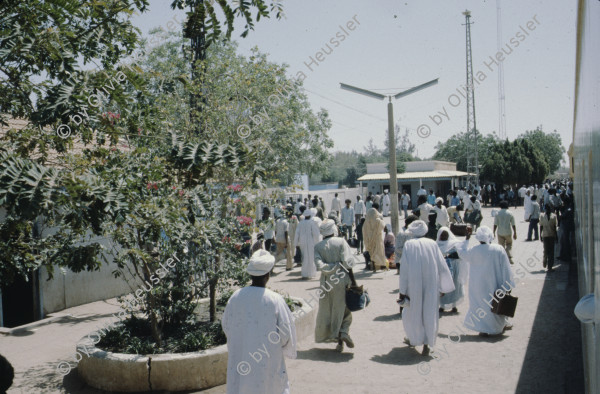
(248, 99)
(549, 144)
(42, 47)
(404, 148)
(454, 149)
(514, 163)
(204, 27)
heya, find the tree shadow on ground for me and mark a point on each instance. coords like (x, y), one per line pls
(327, 355)
(401, 356)
(392, 317)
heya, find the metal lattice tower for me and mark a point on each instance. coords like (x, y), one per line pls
(501, 96)
(472, 151)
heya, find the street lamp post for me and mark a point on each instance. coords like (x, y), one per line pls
(391, 139)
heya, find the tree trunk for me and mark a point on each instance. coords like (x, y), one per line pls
(212, 294)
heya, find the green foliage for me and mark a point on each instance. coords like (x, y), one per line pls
(291, 303)
(514, 163)
(549, 144)
(203, 28)
(133, 336)
(43, 45)
(240, 94)
(454, 149)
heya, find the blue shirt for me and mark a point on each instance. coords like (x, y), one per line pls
(455, 201)
(431, 199)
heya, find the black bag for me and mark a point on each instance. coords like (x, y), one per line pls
(459, 229)
(357, 298)
(505, 306)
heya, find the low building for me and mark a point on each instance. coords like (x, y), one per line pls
(440, 176)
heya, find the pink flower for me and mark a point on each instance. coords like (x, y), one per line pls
(244, 220)
(181, 193)
(235, 188)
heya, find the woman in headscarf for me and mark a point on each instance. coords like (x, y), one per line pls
(373, 237)
(448, 243)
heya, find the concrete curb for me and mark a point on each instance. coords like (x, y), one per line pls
(172, 372)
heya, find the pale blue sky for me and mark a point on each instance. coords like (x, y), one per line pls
(403, 43)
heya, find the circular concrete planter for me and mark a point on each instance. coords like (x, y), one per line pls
(172, 372)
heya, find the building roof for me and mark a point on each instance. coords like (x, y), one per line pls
(414, 175)
(55, 159)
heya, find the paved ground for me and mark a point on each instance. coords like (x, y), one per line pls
(541, 354)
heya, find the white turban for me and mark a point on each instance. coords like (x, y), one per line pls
(307, 213)
(328, 227)
(584, 310)
(313, 212)
(260, 263)
(439, 199)
(484, 234)
(418, 228)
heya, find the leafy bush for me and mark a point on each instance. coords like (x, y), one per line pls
(291, 303)
(134, 336)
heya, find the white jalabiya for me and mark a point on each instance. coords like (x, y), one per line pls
(306, 237)
(528, 207)
(489, 270)
(442, 215)
(385, 201)
(458, 269)
(423, 275)
(260, 331)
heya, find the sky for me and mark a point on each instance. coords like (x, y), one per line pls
(399, 44)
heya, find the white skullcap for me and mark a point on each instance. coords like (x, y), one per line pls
(418, 228)
(585, 309)
(260, 263)
(484, 234)
(328, 227)
(439, 199)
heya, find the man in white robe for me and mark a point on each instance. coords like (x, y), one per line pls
(424, 274)
(306, 237)
(336, 205)
(442, 214)
(527, 205)
(386, 203)
(334, 259)
(489, 271)
(260, 332)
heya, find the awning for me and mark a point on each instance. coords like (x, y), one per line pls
(414, 175)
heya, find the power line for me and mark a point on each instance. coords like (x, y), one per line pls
(347, 106)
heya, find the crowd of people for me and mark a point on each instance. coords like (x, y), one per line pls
(433, 264)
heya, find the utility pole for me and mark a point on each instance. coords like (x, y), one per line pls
(472, 151)
(501, 96)
(391, 140)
